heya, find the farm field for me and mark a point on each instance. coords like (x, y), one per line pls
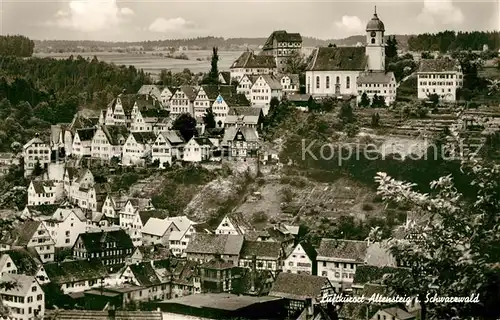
(154, 64)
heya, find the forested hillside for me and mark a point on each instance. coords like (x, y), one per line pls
(451, 40)
(18, 46)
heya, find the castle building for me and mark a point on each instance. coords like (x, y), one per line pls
(282, 45)
(353, 71)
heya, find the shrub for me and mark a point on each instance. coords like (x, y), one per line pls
(287, 195)
(259, 217)
(367, 207)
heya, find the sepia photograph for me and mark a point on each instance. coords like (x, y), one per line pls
(249, 160)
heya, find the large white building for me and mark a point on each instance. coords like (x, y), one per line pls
(167, 147)
(250, 63)
(439, 76)
(36, 151)
(264, 89)
(282, 45)
(353, 70)
(65, 225)
(108, 141)
(26, 300)
(44, 192)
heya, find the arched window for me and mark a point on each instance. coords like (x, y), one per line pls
(373, 40)
(348, 82)
(337, 81)
(328, 82)
(317, 82)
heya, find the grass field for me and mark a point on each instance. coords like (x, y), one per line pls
(154, 64)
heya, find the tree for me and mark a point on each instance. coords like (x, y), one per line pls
(426, 55)
(365, 101)
(209, 118)
(332, 45)
(378, 101)
(295, 63)
(457, 246)
(434, 98)
(345, 113)
(375, 120)
(213, 74)
(37, 169)
(186, 125)
(391, 48)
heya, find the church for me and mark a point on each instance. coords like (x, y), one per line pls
(350, 71)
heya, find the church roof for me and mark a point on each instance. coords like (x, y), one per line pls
(375, 77)
(375, 24)
(336, 59)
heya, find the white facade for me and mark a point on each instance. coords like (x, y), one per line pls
(375, 50)
(339, 272)
(201, 104)
(44, 192)
(226, 226)
(7, 265)
(43, 243)
(180, 103)
(263, 92)
(378, 83)
(165, 96)
(196, 150)
(27, 301)
(245, 86)
(165, 150)
(220, 110)
(64, 226)
(325, 83)
(104, 149)
(238, 73)
(35, 151)
(298, 262)
(444, 84)
(134, 152)
(116, 115)
(288, 86)
(81, 148)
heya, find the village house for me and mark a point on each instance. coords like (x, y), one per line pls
(198, 149)
(84, 192)
(245, 85)
(240, 142)
(44, 192)
(178, 241)
(185, 278)
(166, 94)
(264, 89)
(26, 300)
(108, 142)
(303, 102)
(217, 276)
(167, 148)
(27, 263)
(119, 110)
(225, 77)
(7, 265)
(65, 225)
(250, 63)
(30, 235)
(109, 247)
(36, 151)
(290, 83)
(132, 217)
(77, 276)
(296, 289)
(146, 113)
(157, 231)
(206, 96)
(145, 275)
(82, 142)
(234, 224)
(251, 117)
(223, 103)
(204, 247)
(265, 254)
(182, 101)
(281, 233)
(151, 90)
(7, 159)
(377, 83)
(138, 148)
(282, 45)
(79, 122)
(113, 204)
(441, 77)
(337, 260)
(302, 259)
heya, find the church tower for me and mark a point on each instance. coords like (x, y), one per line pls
(375, 47)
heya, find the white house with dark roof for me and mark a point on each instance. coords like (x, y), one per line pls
(250, 63)
(439, 76)
(35, 151)
(282, 45)
(233, 223)
(44, 192)
(132, 217)
(337, 260)
(224, 102)
(240, 142)
(245, 85)
(178, 241)
(146, 275)
(206, 96)
(157, 231)
(118, 112)
(7, 265)
(182, 101)
(380, 83)
(168, 146)
(26, 300)
(198, 149)
(151, 90)
(64, 225)
(301, 259)
(108, 142)
(148, 116)
(205, 247)
(166, 95)
(82, 142)
(262, 255)
(244, 117)
(264, 89)
(138, 148)
(225, 77)
(290, 83)
(113, 204)
(77, 276)
(85, 193)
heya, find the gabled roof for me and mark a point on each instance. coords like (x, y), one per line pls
(156, 227)
(226, 75)
(86, 134)
(374, 77)
(71, 172)
(351, 250)
(23, 284)
(281, 36)
(144, 137)
(25, 262)
(41, 186)
(236, 100)
(298, 286)
(173, 137)
(148, 103)
(96, 241)
(245, 111)
(250, 60)
(182, 222)
(22, 234)
(140, 204)
(215, 244)
(202, 141)
(308, 249)
(115, 133)
(32, 141)
(80, 122)
(299, 97)
(261, 249)
(127, 100)
(294, 78)
(73, 271)
(340, 58)
(272, 81)
(213, 91)
(249, 134)
(239, 222)
(145, 274)
(190, 92)
(251, 77)
(150, 89)
(146, 215)
(438, 65)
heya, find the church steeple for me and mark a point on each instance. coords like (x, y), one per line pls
(375, 48)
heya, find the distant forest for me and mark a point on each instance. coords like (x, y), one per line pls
(451, 41)
(19, 46)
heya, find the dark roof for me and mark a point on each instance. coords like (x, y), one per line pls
(115, 133)
(22, 234)
(340, 58)
(73, 271)
(375, 77)
(144, 137)
(86, 134)
(213, 91)
(40, 185)
(343, 249)
(25, 262)
(128, 101)
(145, 274)
(203, 141)
(152, 253)
(438, 65)
(371, 274)
(190, 92)
(281, 36)
(250, 60)
(145, 215)
(226, 75)
(236, 100)
(299, 97)
(375, 24)
(242, 284)
(215, 244)
(62, 314)
(245, 111)
(155, 113)
(298, 286)
(96, 241)
(218, 264)
(309, 250)
(80, 122)
(43, 209)
(261, 249)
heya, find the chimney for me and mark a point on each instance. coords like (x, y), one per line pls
(253, 273)
(309, 308)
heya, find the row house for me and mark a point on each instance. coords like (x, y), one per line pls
(167, 148)
(290, 83)
(36, 151)
(119, 110)
(131, 220)
(85, 193)
(203, 248)
(24, 261)
(234, 224)
(162, 94)
(151, 120)
(245, 85)
(141, 107)
(30, 235)
(185, 278)
(217, 276)
(439, 76)
(174, 232)
(109, 247)
(138, 148)
(223, 103)
(82, 142)
(265, 88)
(182, 101)
(302, 259)
(262, 255)
(250, 63)
(145, 275)
(108, 142)
(240, 142)
(79, 122)
(26, 300)
(44, 192)
(206, 96)
(77, 276)
(65, 225)
(198, 149)
(337, 260)
(282, 45)
(113, 204)
(251, 117)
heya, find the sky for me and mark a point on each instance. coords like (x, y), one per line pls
(138, 20)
